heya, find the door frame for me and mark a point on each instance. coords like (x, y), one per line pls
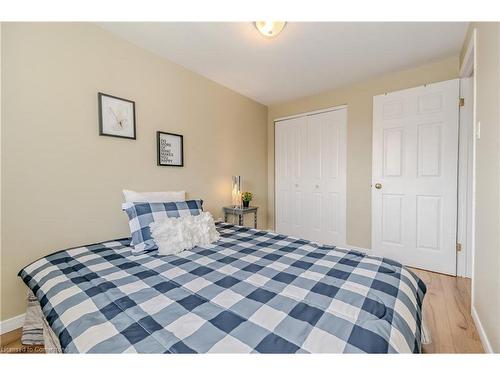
(304, 114)
(465, 258)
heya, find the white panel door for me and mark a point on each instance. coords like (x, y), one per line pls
(291, 143)
(326, 176)
(310, 157)
(414, 178)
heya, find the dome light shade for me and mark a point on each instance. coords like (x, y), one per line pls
(269, 28)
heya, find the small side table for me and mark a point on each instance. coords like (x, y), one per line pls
(240, 212)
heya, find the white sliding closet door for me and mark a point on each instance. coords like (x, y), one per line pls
(311, 177)
(414, 191)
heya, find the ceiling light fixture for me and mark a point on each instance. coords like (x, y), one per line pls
(269, 28)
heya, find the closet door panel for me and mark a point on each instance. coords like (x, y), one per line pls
(281, 190)
(327, 180)
(298, 151)
(310, 177)
(290, 151)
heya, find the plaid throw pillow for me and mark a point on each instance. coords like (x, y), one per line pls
(141, 214)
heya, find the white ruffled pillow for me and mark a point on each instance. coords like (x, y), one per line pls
(177, 234)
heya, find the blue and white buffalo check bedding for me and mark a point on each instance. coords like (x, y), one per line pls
(141, 214)
(252, 292)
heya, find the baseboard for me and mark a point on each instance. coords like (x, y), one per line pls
(11, 324)
(480, 330)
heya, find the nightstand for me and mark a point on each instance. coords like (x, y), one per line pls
(240, 212)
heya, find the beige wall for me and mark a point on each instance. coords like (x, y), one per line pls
(486, 284)
(359, 98)
(62, 182)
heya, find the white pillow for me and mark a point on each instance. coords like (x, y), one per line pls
(155, 196)
(177, 234)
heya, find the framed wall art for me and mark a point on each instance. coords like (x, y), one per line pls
(170, 149)
(116, 116)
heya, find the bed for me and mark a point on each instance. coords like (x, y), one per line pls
(253, 291)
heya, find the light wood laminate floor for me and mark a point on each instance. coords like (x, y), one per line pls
(446, 312)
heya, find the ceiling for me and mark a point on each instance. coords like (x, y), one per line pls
(305, 59)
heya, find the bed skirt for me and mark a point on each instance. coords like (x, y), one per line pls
(36, 329)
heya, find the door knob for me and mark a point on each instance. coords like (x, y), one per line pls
(296, 185)
(378, 185)
(316, 186)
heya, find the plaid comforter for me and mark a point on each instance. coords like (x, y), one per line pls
(253, 291)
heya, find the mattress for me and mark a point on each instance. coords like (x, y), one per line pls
(251, 292)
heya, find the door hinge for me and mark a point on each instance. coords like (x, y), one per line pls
(461, 102)
(459, 247)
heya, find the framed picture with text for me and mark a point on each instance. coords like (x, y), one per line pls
(116, 116)
(170, 149)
